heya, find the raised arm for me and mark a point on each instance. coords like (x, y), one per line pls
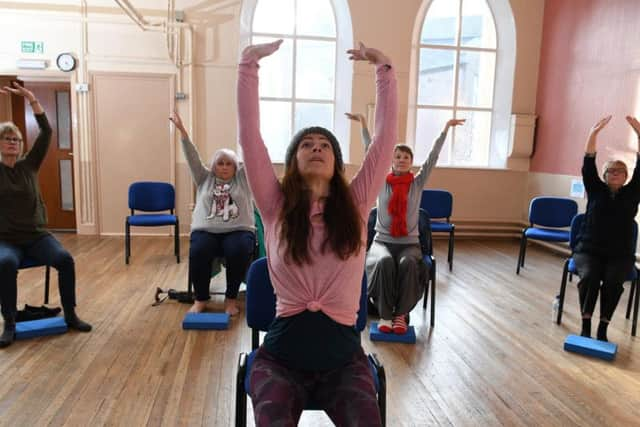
(198, 170)
(635, 178)
(367, 182)
(41, 144)
(428, 165)
(364, 130)
(590, 176)
(260, 174)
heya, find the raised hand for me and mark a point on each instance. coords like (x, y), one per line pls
(259, 51)
(600, 124)
(634, 124)
(363, 53)
(356, 117)
(18, 90)
(455, 122)
(177, 121)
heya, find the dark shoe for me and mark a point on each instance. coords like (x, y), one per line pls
(8, 334)
(74, 322)
(586, 328)
(602, 331)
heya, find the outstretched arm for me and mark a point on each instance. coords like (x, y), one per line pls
(260, 174)
(590, 176)
(370, 178)
(635, 178)
(432, 158)
(364, 130)
(198, 170)
(41, 144)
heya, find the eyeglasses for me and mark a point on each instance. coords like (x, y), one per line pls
(616, 170)
(12, 139)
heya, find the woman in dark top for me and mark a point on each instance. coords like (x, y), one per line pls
(23, 218)
(605, 253)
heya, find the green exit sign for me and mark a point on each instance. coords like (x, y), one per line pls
(31, 47)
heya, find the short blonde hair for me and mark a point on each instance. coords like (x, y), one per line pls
(10, 127)
(613, 163)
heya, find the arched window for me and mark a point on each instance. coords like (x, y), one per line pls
(299, 85)
(465, 60)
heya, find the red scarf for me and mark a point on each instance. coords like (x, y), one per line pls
(400, 185)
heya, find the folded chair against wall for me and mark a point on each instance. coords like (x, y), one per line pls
(547, 217)
(151, 197)
(439, 205)
(32, 263)
(426, 247)
(570, 267)
(260, 311)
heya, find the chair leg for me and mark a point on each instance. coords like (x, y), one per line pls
(426, 293)
(451, 243)
(632, 291)
(241, 394)
(563, 287)
(634, 325)
(127, 242)
(47, 277)
(571, 277)
(176, 238)
(433, 297)
(523, 246)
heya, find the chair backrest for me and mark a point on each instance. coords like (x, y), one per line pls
(424, 230)
(151, 196)
(576, 230)
(261, 299)
(439, 203)
(552, 211)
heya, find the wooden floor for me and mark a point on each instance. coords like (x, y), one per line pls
(494, 356)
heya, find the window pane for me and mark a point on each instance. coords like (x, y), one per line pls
(66, 185)
(310, 114)
(478, 27)
(440, 24)
(476, 79)
(315, 18)
(63, 112)
(429, 124)
(315, 69)
(274, 16)
(471, 144)
(435, 85)
(275, 126)
(276, 71)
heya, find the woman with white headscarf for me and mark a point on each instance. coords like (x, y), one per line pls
(223, 223)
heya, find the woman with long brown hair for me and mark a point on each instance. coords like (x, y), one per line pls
(315, 238)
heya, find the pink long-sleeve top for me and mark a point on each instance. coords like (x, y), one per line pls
(328, 284)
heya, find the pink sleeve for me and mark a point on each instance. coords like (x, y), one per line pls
(369, 180)
(260, 174)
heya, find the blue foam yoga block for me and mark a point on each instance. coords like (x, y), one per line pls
(376, 335)
(217, 321)
(591, 347)
(40, 327)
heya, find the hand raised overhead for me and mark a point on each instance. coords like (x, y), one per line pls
(373, 55)
(259, 51)
(600, 124)
(18, 90)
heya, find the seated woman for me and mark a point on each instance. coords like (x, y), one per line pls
(395, 271)
(604, 254)
(223, 223)
(315, 237)
(23, 218)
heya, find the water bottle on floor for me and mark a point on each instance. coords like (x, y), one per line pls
(555, 307)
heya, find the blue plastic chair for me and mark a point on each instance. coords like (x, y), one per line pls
(32, 263)
(151, 197)
(439, 205)
(260, 311)
(546, 212)
(427, 254)
(570, 268)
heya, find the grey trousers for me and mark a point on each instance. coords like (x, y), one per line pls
(396, 276)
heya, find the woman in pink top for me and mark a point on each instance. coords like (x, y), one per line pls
(315, 238)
